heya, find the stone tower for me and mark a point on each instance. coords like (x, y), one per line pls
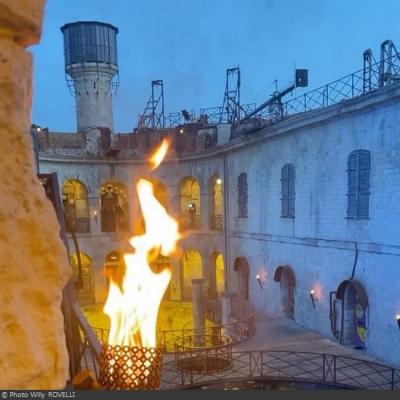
(91, 67)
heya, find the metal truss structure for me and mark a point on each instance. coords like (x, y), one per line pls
(153, 115)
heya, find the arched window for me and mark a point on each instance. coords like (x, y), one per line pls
(217, 204)
(76, 208)
(242, 195)
(190, 203)
(192, 268)
(114, 207)
(83, 277)
(288, 177)
(358, 172)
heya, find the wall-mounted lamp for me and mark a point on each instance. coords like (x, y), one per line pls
(398, 320)
(258, 277)
(313, 298)
(95, 216)
(218, 181)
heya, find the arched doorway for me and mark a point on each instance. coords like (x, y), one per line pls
(189, 193)
(217, 204)
(353, 314)
(114, 207)
(241, 267)
(85, 288)
(216, 275)
(74, 197)
(285, 276)
(192, 268)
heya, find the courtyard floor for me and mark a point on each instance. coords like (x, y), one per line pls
(285, 334)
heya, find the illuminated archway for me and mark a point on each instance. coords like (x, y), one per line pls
(217, 203)
(114, 207)
(216, 275)
(85, 284)
(192, 268)
(74, 197)
(189, 192)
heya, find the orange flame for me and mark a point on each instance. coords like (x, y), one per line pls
(133, 307)
(159, 154)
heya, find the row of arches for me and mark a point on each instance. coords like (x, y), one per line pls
(114, 204)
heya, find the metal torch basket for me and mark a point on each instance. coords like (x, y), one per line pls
(130, 368)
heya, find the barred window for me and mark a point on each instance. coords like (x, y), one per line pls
(288, 175)
(358, 173)
(242, 195)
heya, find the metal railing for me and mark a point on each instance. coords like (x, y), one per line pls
(89, 347)
(346, 88)
(319, 368)
(203, 353)
(239, 331)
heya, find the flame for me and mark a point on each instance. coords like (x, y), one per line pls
(159, 154)
(133, 306)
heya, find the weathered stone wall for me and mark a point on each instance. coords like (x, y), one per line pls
(33, 262)
(319, 243)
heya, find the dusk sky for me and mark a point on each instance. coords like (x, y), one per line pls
(190, 43)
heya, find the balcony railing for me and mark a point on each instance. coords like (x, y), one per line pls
(318, 368)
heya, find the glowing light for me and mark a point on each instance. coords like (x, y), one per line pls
(398, 317)
(218, 181)
(312, 292)
(159, 154)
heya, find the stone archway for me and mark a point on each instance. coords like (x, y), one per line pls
(285, 276)
(114, 207)
(241, 267)
(192, 268)
(354, 313)
(189, 193)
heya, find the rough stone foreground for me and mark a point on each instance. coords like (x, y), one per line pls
(33, 260)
